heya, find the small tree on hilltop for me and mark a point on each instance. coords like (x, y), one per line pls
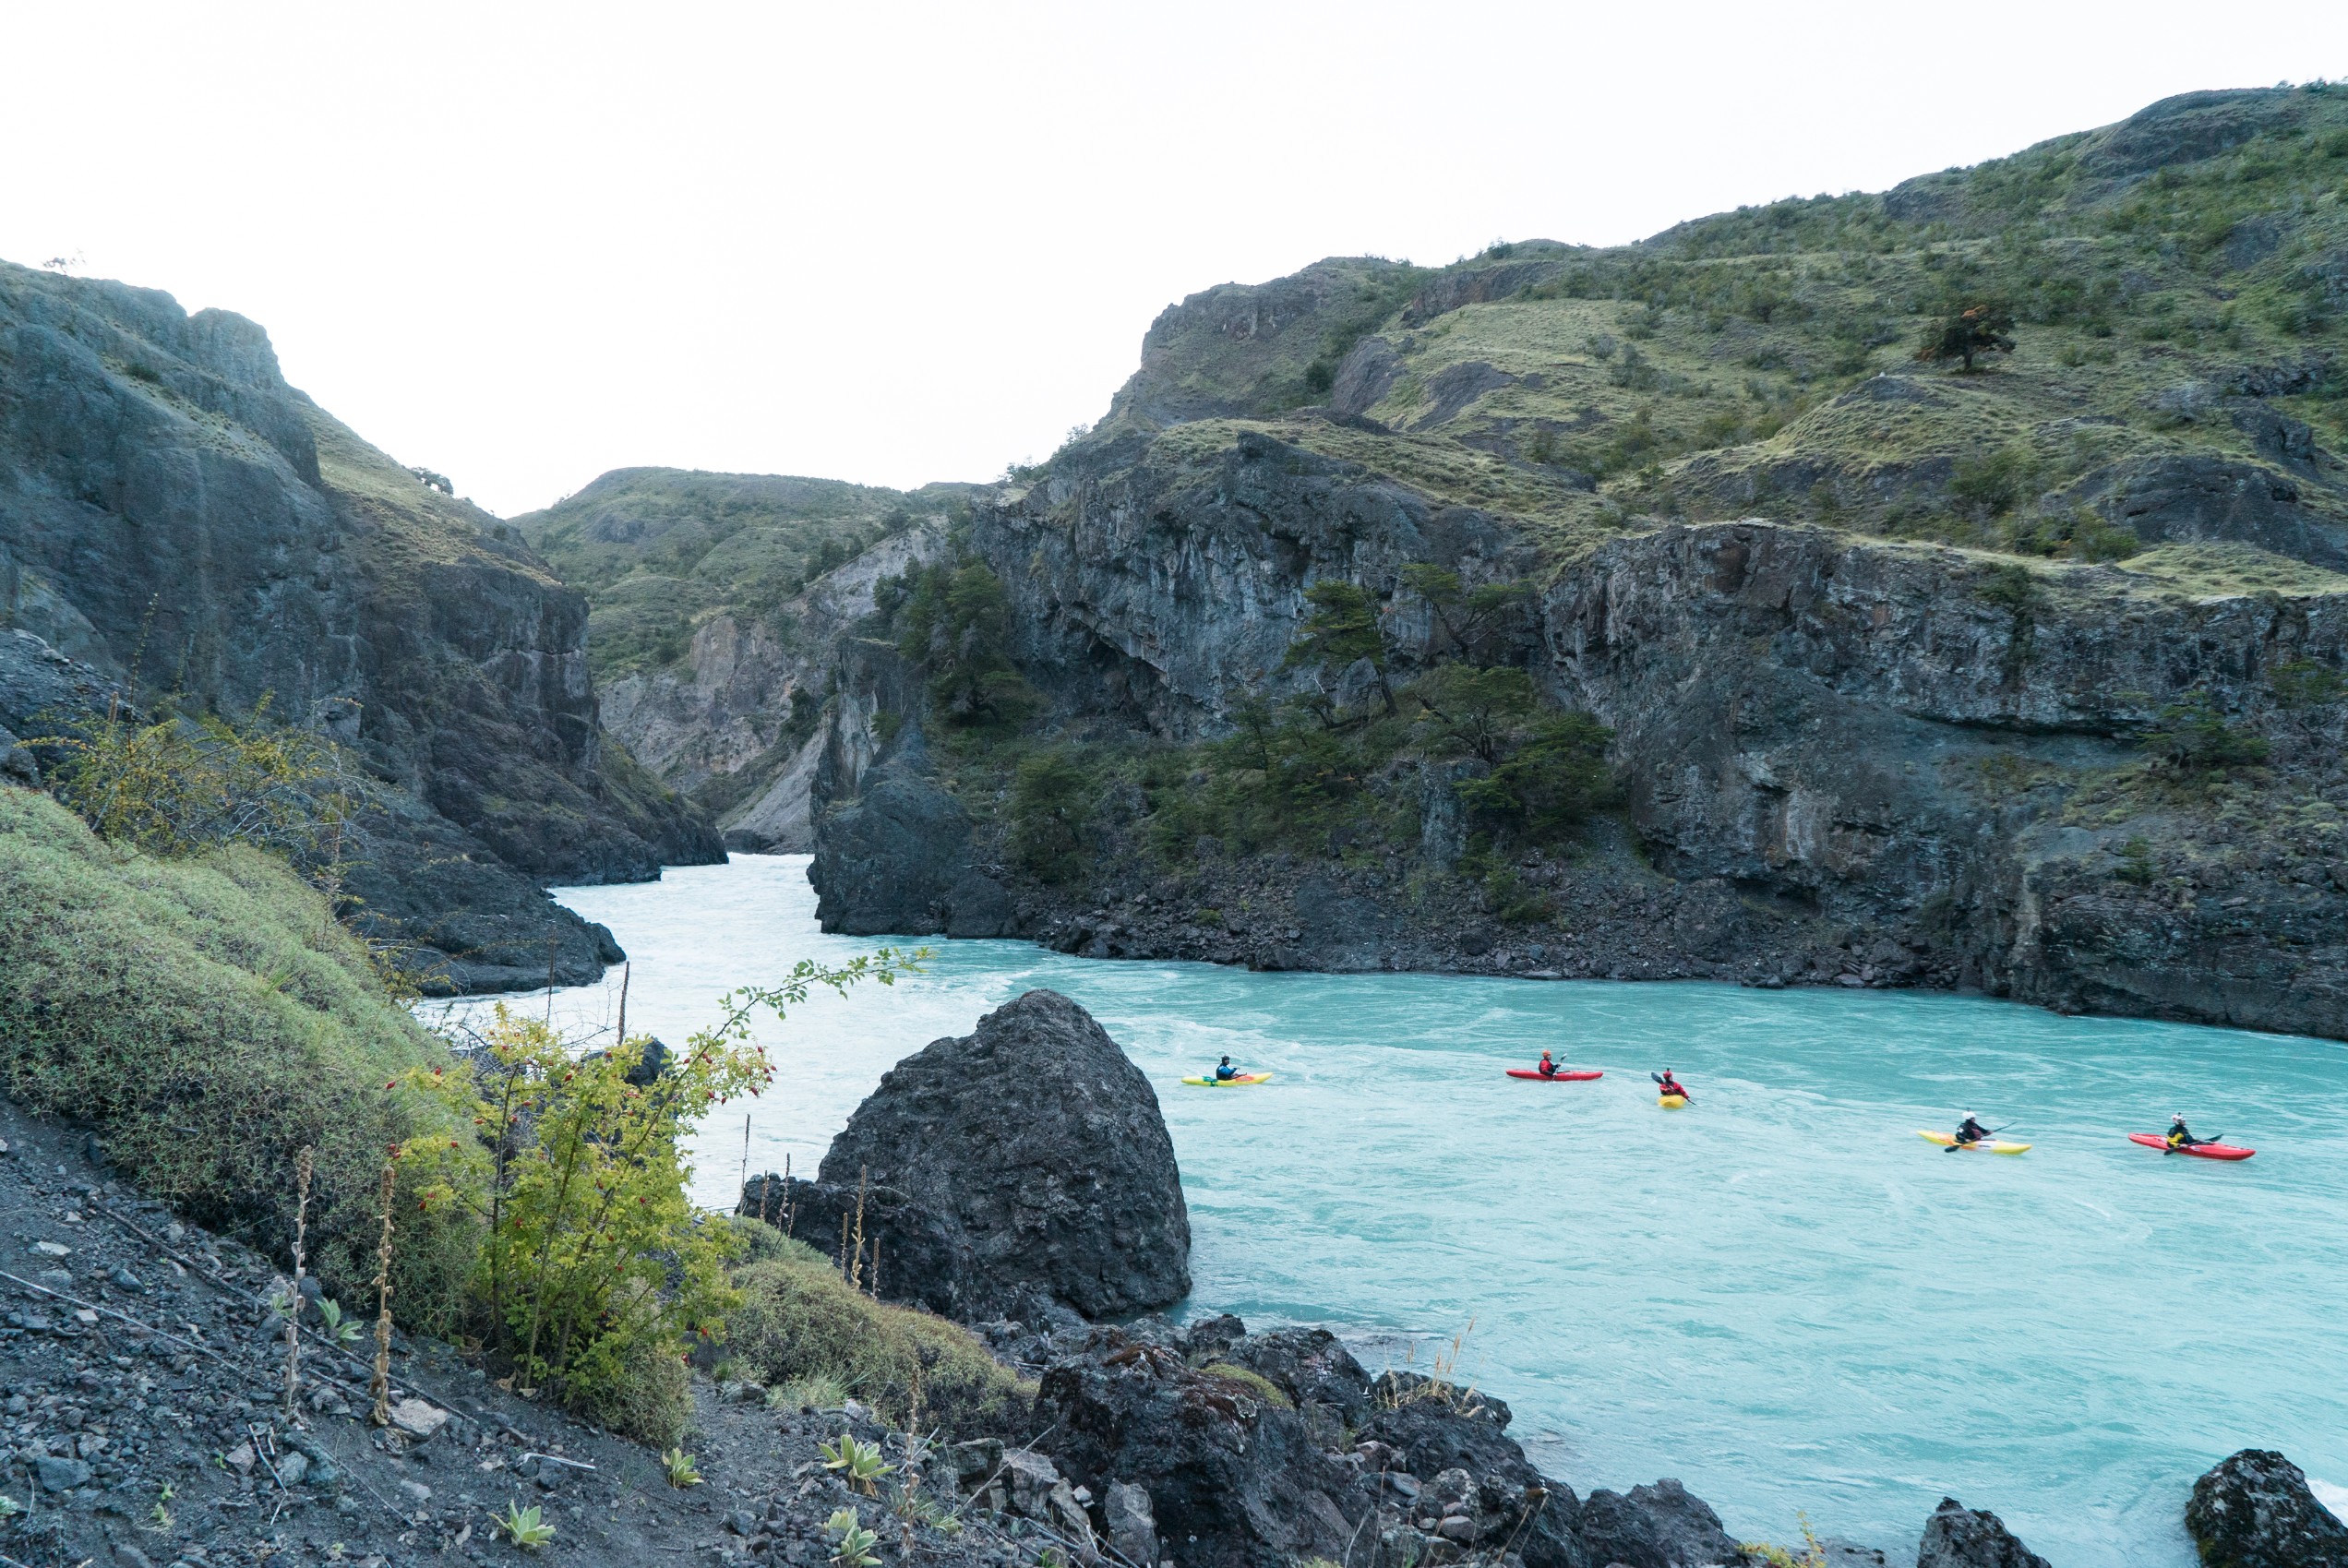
(1962, 333)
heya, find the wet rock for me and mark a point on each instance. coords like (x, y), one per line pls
(2255, 1510)
(1958, 1537)
(1042, 1145)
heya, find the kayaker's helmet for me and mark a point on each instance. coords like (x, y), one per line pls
(1227, 1061)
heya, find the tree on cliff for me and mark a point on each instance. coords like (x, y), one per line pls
(1341, 633)
(1467, 614)
(1966, 330)
(1546, 769)
(957, 625)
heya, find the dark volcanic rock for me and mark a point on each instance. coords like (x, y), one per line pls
(1235, 1480)
(897, 859)
(1958, 1537)
(2255, 1511)
(1307, 1364)
(1043, 1146)
(2180, 498)
(1434, 1432)
(1656, 1526)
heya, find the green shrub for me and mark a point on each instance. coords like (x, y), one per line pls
(2303, 682)
(176, 786)
(1051, 802)
(597, 1264)
(2191, 737)
(957, 625)
(597, 1269)
(210, 1018)
(802, 1323)
(1341, 631)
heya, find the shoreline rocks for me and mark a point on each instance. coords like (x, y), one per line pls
(2255, 1510)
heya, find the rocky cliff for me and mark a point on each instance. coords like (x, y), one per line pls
(177, 521)
(2024, 679)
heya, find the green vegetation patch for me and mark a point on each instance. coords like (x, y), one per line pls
(802, 1323)
(2227, 570)
(210, 1019)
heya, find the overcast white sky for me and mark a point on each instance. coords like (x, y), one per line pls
(898, 243)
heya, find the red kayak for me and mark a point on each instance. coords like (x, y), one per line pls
(1558, 1077)
(2199, 1151)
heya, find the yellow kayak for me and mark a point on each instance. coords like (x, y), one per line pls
(1670, 1101)
(1945, 1141)
(1242, 1080)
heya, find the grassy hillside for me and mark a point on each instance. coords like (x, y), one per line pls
(208, 1018)
(656, 549)
(2178, 286)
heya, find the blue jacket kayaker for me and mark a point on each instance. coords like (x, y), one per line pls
(1969, 1131)
(2180, 1135)
(1224, 1071)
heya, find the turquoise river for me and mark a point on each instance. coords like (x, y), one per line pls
(1781, 1295)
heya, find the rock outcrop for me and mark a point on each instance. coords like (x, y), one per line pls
(2254, 1510)
(1022, 1164)
(175, 516)
(1958, 1537)
(1233, 1439)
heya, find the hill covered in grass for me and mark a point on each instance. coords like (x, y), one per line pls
(2176, 285)
(660, 550)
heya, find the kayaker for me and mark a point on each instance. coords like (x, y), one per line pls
(2180, 1135)
(1224, 1071)
(1971, 1130)
(1666, 1085)
(1547, 1067)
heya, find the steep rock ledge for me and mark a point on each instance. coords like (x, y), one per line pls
(172, 515)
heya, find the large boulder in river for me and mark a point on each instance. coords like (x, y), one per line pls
(1958, 1537)
(2255, 1511)
(1037, 1141)
(897, 858)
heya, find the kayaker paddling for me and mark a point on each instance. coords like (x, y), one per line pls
(1224, 1071)
(1666, 1086)
(1970, 1131)
(1546, 1067)
(2181, 1136)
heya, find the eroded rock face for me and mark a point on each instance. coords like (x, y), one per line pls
(1958, 1537)
(170, 507)
(1043, 1147)
(2255, 1511)
(1855, 764)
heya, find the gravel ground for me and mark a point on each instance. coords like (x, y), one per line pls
(143, 1423)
